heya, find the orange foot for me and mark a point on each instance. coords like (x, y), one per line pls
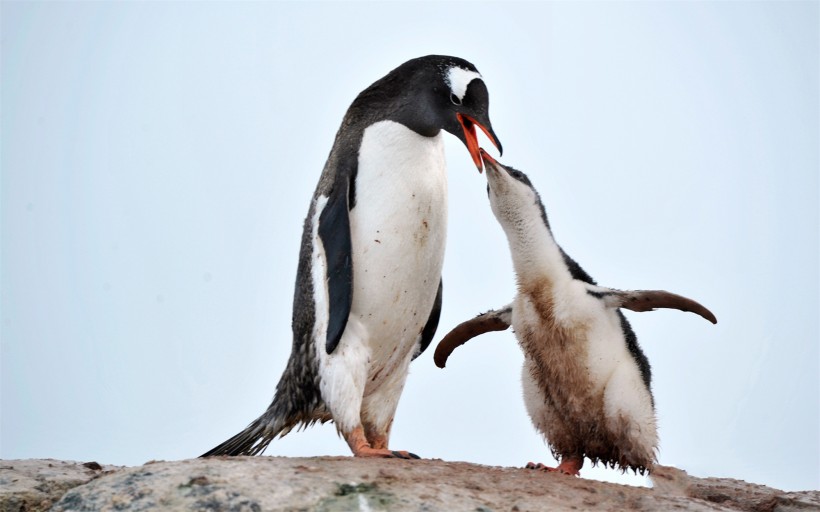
(361, 447)
(384, 453)
(568, 466)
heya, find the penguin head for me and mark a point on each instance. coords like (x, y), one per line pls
(514, 201)
(468, 106)
(436, 92)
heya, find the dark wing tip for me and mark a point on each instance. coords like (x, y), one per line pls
(465, 331)
(647, 300)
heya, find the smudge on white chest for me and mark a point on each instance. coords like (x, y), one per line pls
(398, 233)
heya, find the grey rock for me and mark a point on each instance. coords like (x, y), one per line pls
(343, 483)
(36, 484)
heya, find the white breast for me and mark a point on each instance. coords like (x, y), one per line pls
(604, 339)
(398, 232)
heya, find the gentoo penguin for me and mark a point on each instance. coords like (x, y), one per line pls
(368, 283)
(586, 381)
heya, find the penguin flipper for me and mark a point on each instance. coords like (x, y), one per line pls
(494, 320)
(649, 300)
(432, 323)
(334, 231)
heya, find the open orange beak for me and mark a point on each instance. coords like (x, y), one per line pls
(487, 158)
(468, 124)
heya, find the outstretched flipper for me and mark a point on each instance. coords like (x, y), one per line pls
(649, 300)
(495, 320)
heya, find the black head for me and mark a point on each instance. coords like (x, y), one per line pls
(432, 93)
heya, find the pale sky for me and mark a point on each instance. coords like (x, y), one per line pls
(158, 161)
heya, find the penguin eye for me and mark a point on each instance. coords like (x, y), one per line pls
(455, 100)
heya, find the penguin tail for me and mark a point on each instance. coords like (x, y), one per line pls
(251, 441)
(296, 403)
(255, 438)
(277, 421)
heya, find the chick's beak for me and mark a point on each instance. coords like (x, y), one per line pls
(488, 160)
(468, 124)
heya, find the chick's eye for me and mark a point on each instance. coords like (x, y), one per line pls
(455, 100)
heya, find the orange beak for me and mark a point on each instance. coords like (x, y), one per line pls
(468, 124)
(486, 156)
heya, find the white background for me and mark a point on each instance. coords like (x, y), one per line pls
(157, 165)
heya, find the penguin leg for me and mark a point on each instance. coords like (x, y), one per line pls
(378, 438)
(630, 417)
(360, 446)
(345, 375)
(379, 408)
(569, 466)
(544, 418)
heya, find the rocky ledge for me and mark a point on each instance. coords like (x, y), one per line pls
(345, 483)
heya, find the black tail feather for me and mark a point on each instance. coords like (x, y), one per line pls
(297, 402)
(277, 421)
(251, 441)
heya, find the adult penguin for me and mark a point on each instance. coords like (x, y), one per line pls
(368, 285)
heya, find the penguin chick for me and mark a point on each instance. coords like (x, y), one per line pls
(368, 285)
(586, 381)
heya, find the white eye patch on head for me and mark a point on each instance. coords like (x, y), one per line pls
(458, 79)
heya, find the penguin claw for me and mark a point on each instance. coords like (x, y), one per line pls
(571, 468)
(383, 453)
(405, 455)
(375, 453)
